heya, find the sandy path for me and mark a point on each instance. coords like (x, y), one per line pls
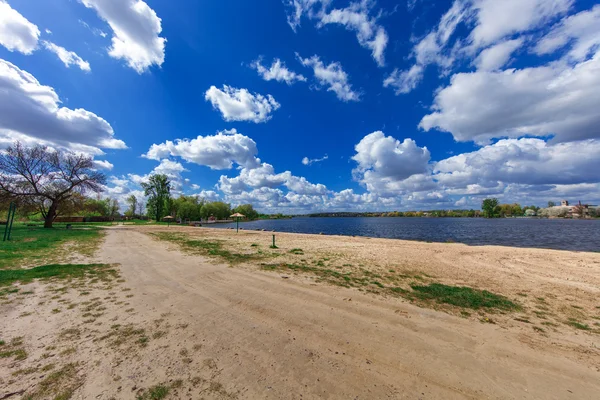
(283, 338)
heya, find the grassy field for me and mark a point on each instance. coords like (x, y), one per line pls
(34, 245)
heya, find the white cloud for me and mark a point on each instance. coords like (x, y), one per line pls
(297, 8)
(32, 111)
(383, 160)
(103, 164)
(16, 32)
(310, 161)
(302, 186)
(278, 72)
(355, 17)
(387, 157)
(405, 81)
(67, 57)
(499, 19)
(332, 76)
(219, 151)
(582, 30)
(136, 29)
(172, 169)
(265, 176)
(521, 161)
(558, 99)
(494, 21)
(95, 31)
(429, 50)
(497, 56)
(241, 105)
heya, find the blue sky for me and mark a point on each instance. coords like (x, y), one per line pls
(391, 105)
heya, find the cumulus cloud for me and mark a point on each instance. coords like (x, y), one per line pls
(16, 32)
(67, 57)
(310, 161)
(32, 111)
(383, 158)
(331, 76)
(136, 29)
(558, 99)
(522, 161)
(355, 17)
(497, 56)
(278, 72)
(241, 105)
(265, 176)
(218, 151)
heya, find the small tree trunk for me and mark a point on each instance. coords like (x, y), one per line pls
(50, 215)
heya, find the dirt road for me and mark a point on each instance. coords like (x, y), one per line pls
(277, 338)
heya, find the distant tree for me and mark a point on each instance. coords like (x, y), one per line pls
(114, 207)
(489, 207)
(551, 204)
(158, 190)
(44, 179)
(247, 210)
(218, 209)
(132, 201)
(98, 207)
(187, 208)
(140, 208)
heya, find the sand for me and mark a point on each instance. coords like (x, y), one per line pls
(214, 331)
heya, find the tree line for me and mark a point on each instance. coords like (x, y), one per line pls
(52, 183)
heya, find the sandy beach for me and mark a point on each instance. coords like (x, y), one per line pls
(236, 321)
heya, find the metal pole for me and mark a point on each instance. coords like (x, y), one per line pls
(6, 227)
(14, 210)
(273, 241)
(237, 224)
(9, 222)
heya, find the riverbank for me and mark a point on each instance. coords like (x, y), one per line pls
(180, 312)
(554, 288)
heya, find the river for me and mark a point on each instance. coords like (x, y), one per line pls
(560, 234)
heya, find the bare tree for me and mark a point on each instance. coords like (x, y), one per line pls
(43, 178)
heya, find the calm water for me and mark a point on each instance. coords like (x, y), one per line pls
(582, 235)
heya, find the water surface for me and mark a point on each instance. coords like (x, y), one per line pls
(560, 234)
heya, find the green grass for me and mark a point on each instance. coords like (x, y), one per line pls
(461, 296)
(464, 297)
(18, 354)
(58, 271)
(157, 392)
(59, 385)
(34, 244)
(208, 248)
(576, 324)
